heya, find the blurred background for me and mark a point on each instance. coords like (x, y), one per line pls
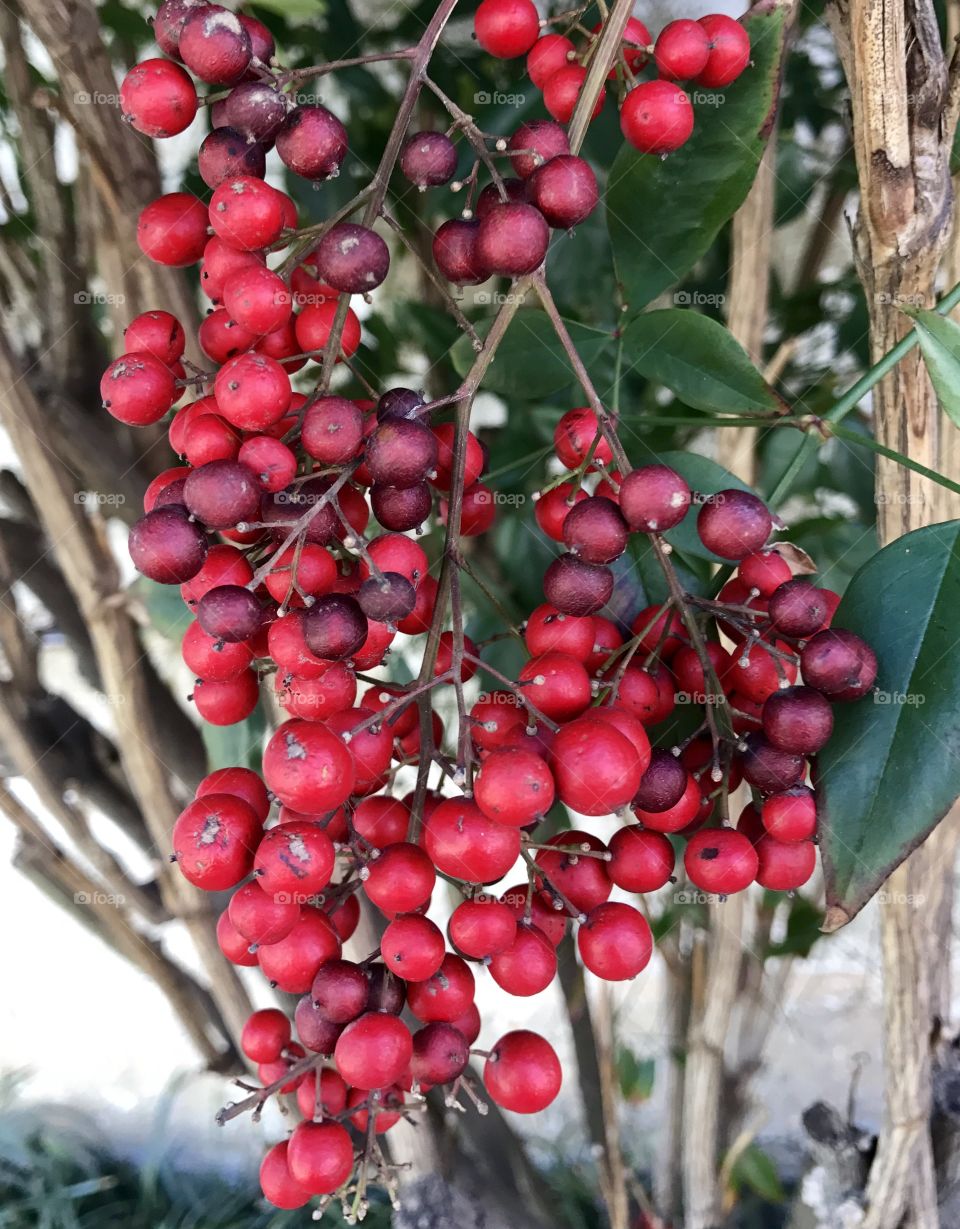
(120, 1016)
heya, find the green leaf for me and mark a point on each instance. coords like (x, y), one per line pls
(940, 342)
(530, 362)
(635, 1075)
(704, 477)
(664, 214)
(699, 360)
(166, 608)
(804, 923)
(753, 1170)
(891, 769)
(294, 10)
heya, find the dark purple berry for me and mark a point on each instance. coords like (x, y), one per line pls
(576, 587)
(229, 612)
(428, 159)
(166, 546)
(734, 524)
(387, 599)
(663, 784)
(334, 627)
(352, 258)
(839, 663)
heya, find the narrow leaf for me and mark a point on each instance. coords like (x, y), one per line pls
(939, 338)
(700, 360)
(891, 770)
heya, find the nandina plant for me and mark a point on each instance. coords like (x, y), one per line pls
(313, 520)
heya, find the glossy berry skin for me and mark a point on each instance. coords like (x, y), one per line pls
(564, 190)
(277, 1182)
(512, 239)
(765, 571)
(260, 918)
(583, 880)
(546, 56)
(464, 843)
(172, 230)
(615, 941)
(784, 867)
(352, 258)
(214, 840)
(557, 684)
(312, 142)
(654, 498)
(243, 782)
(576, 434)
(733, 524)
(663, 784)
(561, 93)
(401, 879)
(681, 50)
(482, 927)
(523, 1072)
(576, 587)
(528, 965)
(642, 861)
(729, 51)
(265, 1035)
(214, 45)
(320, 1156)
(230, 613)
(137, 389)
(656, 117)
(294, 861)
(790, 816)
(292, 963)
(246, 213)
(506, 28)
(798, 719)
(768, 768)
(158, 98)
(534, 143)
(335, 627)
(446, 995)
(308, 767)
(548, 630)
(597, 769)
(839, 663)
(514, 786)
(455, 252)
(440, 1053)
(428, 159)
(595, 531)
(720, 860)
(798, 608)
(412, 947)
(315, 1031)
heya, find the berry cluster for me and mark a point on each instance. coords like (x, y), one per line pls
(656, 115)
(265, 529)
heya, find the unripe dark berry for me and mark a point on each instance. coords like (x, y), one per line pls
(352, 258)
(576, 587)
(534, 143)
(256, 110)
(440, 1053)
(798, 719)
(222, 494)
(169, 22)
(401, 508)
(798, 608)
(167, 547)
(387, 992)
(230, 612)
(428, 159)
(564, 190)
(768, 768)
(224, 154)
(455, 252)
(340, 990)
(663, 784)
(512, 239)
(401, 452)
(839, 663)
(733, 523)
(595, 531)
(335, 627)
(515, 189)
(654, 498)
(315, 1031)
(388, 598)
(312, 142)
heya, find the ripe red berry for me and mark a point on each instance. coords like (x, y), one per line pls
(733, 523)
(556, 684)
(265, 1034)
(401, 879)
(243, 782)
(227, 702)
(294, 861)
(654, 498)
(465, 844)
(312, 142)
(172, 230)
(514, 786)
(546, 56)
(214, 44)
(729, 51)
(214, 840)
(784, 867)
(261, 918)
(158, 98)
(614, 941)
(523, 1072)
(246, 213)
(506, 28)
(561, 92)
(682, 50)
(276, 1181)
(568, 867)
(446, 995)
(677, 817)
(292, 963)
(308, 767)
(656, 117)
(534, 143)
(720, 860)
(576, 434)
(528, 965)
(320, 1156)
(790, 816)
(482, 927)
(552, 508)
(641, 861)
(597, 768)
(412, 947)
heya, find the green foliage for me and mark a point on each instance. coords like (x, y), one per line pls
(665, 214)
(635, 1076)
(940, 342)
(755, 1171)
(891, 770)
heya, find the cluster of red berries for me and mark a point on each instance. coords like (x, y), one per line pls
(656, 115)
(264, 527)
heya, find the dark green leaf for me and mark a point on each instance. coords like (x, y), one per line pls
(664, 214)
(804, 923)
(699, 360)
(891, 770)
(636, 1075)
(530, 361)
(940, 342)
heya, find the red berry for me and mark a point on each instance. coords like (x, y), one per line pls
(312, 142)
(597, 768)
(292, 963)
(506, 28)
(556, 684)
(465, 844)
(294, 861)
(320, 1156)
(428, 159)
(656, 117)
(784, 867)
(412, 946)
(654, 498)
(790, 816)
(455, 252)
(512, 239)
(308, 767)
(246, 213)
(214, 840)
(514, 786)
(576, 434)
(642, 861)
(261, 918)
(214, 44)
(276, 1181)
(523, 1072)
(446, 995)
(401, 879)
(546, 56)
(265, 1035)
(568, 867)
(615, 941)
(172, 230)
(682, 50)
(729, 51)
(158, 98)
(720, 860)
(482, 927)
(528, 965)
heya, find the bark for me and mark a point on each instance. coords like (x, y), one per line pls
(903, 118)
(668, 1178)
